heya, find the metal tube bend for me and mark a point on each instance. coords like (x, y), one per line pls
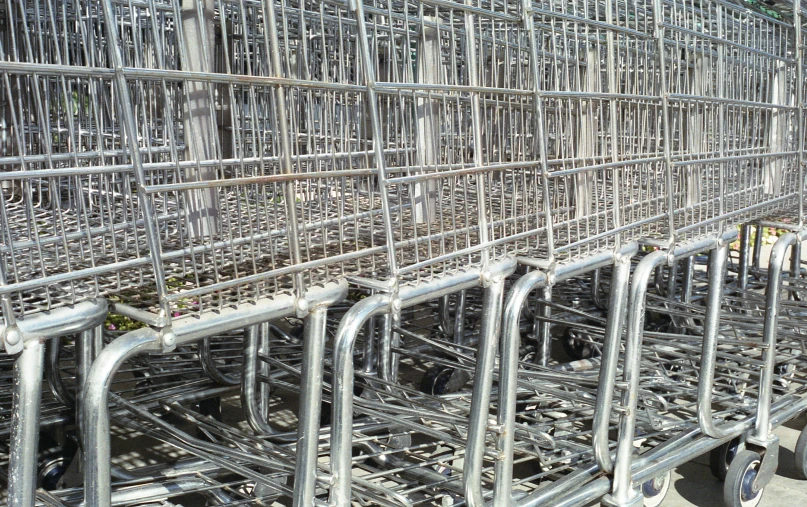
(95, 411)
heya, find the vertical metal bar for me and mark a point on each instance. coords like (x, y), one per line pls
(745, 251)
(459, 318)
(95, 412)
(585, 181)
(795, 260)
(388, 360)
(596, 278)
(756, 259)
(427, 110)
(86, 352)
(696, 137)
(773, 294)
(27, 393)
(471, 55)
(658, 13)
(777, 133)
(310, 406)
(721, 107)
(130, 127)
(800, 131)
(378, 140)
(610, 357)
(539, 124)
(687, 285)
(508, 383)
(287, 167)
(544, 351)
(613, 65)
(711, 330)
(199, 38)
(623, 491)
(480, 398)
(369, 358)
(342, 397)
(254, 391)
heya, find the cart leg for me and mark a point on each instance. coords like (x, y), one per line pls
(94, 404)
(310, 407)
(544, 351)
(88, 346)
(610, 362)
(623, 493)
(25, 425)
(508, 382)
(480, 399)
(745, 254)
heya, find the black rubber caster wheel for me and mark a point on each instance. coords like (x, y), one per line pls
(721, 457)
(442, 380)
(578, 345)
(738, 490)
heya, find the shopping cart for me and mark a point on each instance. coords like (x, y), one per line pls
(70, 234)
(720, 178)
(602, 172)
(267, 168)
(451, 80)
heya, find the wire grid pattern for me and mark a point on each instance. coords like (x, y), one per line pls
(599, 94)
(272, 184)
(451, 92)
(70, 226)
(730, 75)
(282, 144)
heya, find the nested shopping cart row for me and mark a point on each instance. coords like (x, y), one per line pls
(207, 166)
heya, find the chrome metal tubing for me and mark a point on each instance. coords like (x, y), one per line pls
(623, 492)
(305, 477)
(95, 411)
(27, 395)
(253, 392)
(511, 337)
(745, 257)
(62, 321)
(711, 331)
(344, 343)
(480, 399)
(773, 296)
(610, 355)
(508, 381)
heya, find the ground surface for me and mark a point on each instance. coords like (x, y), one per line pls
(694, 484)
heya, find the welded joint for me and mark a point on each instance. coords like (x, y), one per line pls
(728, 237)
(487, 279)
(12, 340)
(168, 339)
(302, 307)
(635, 500)
(762, 445)
(494, 427)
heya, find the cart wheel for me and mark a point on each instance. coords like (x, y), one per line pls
(440, 380)
(656, 489)
(801, 455)
(54, 460)
(577, 345)
(738, 490)
(721, 457)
